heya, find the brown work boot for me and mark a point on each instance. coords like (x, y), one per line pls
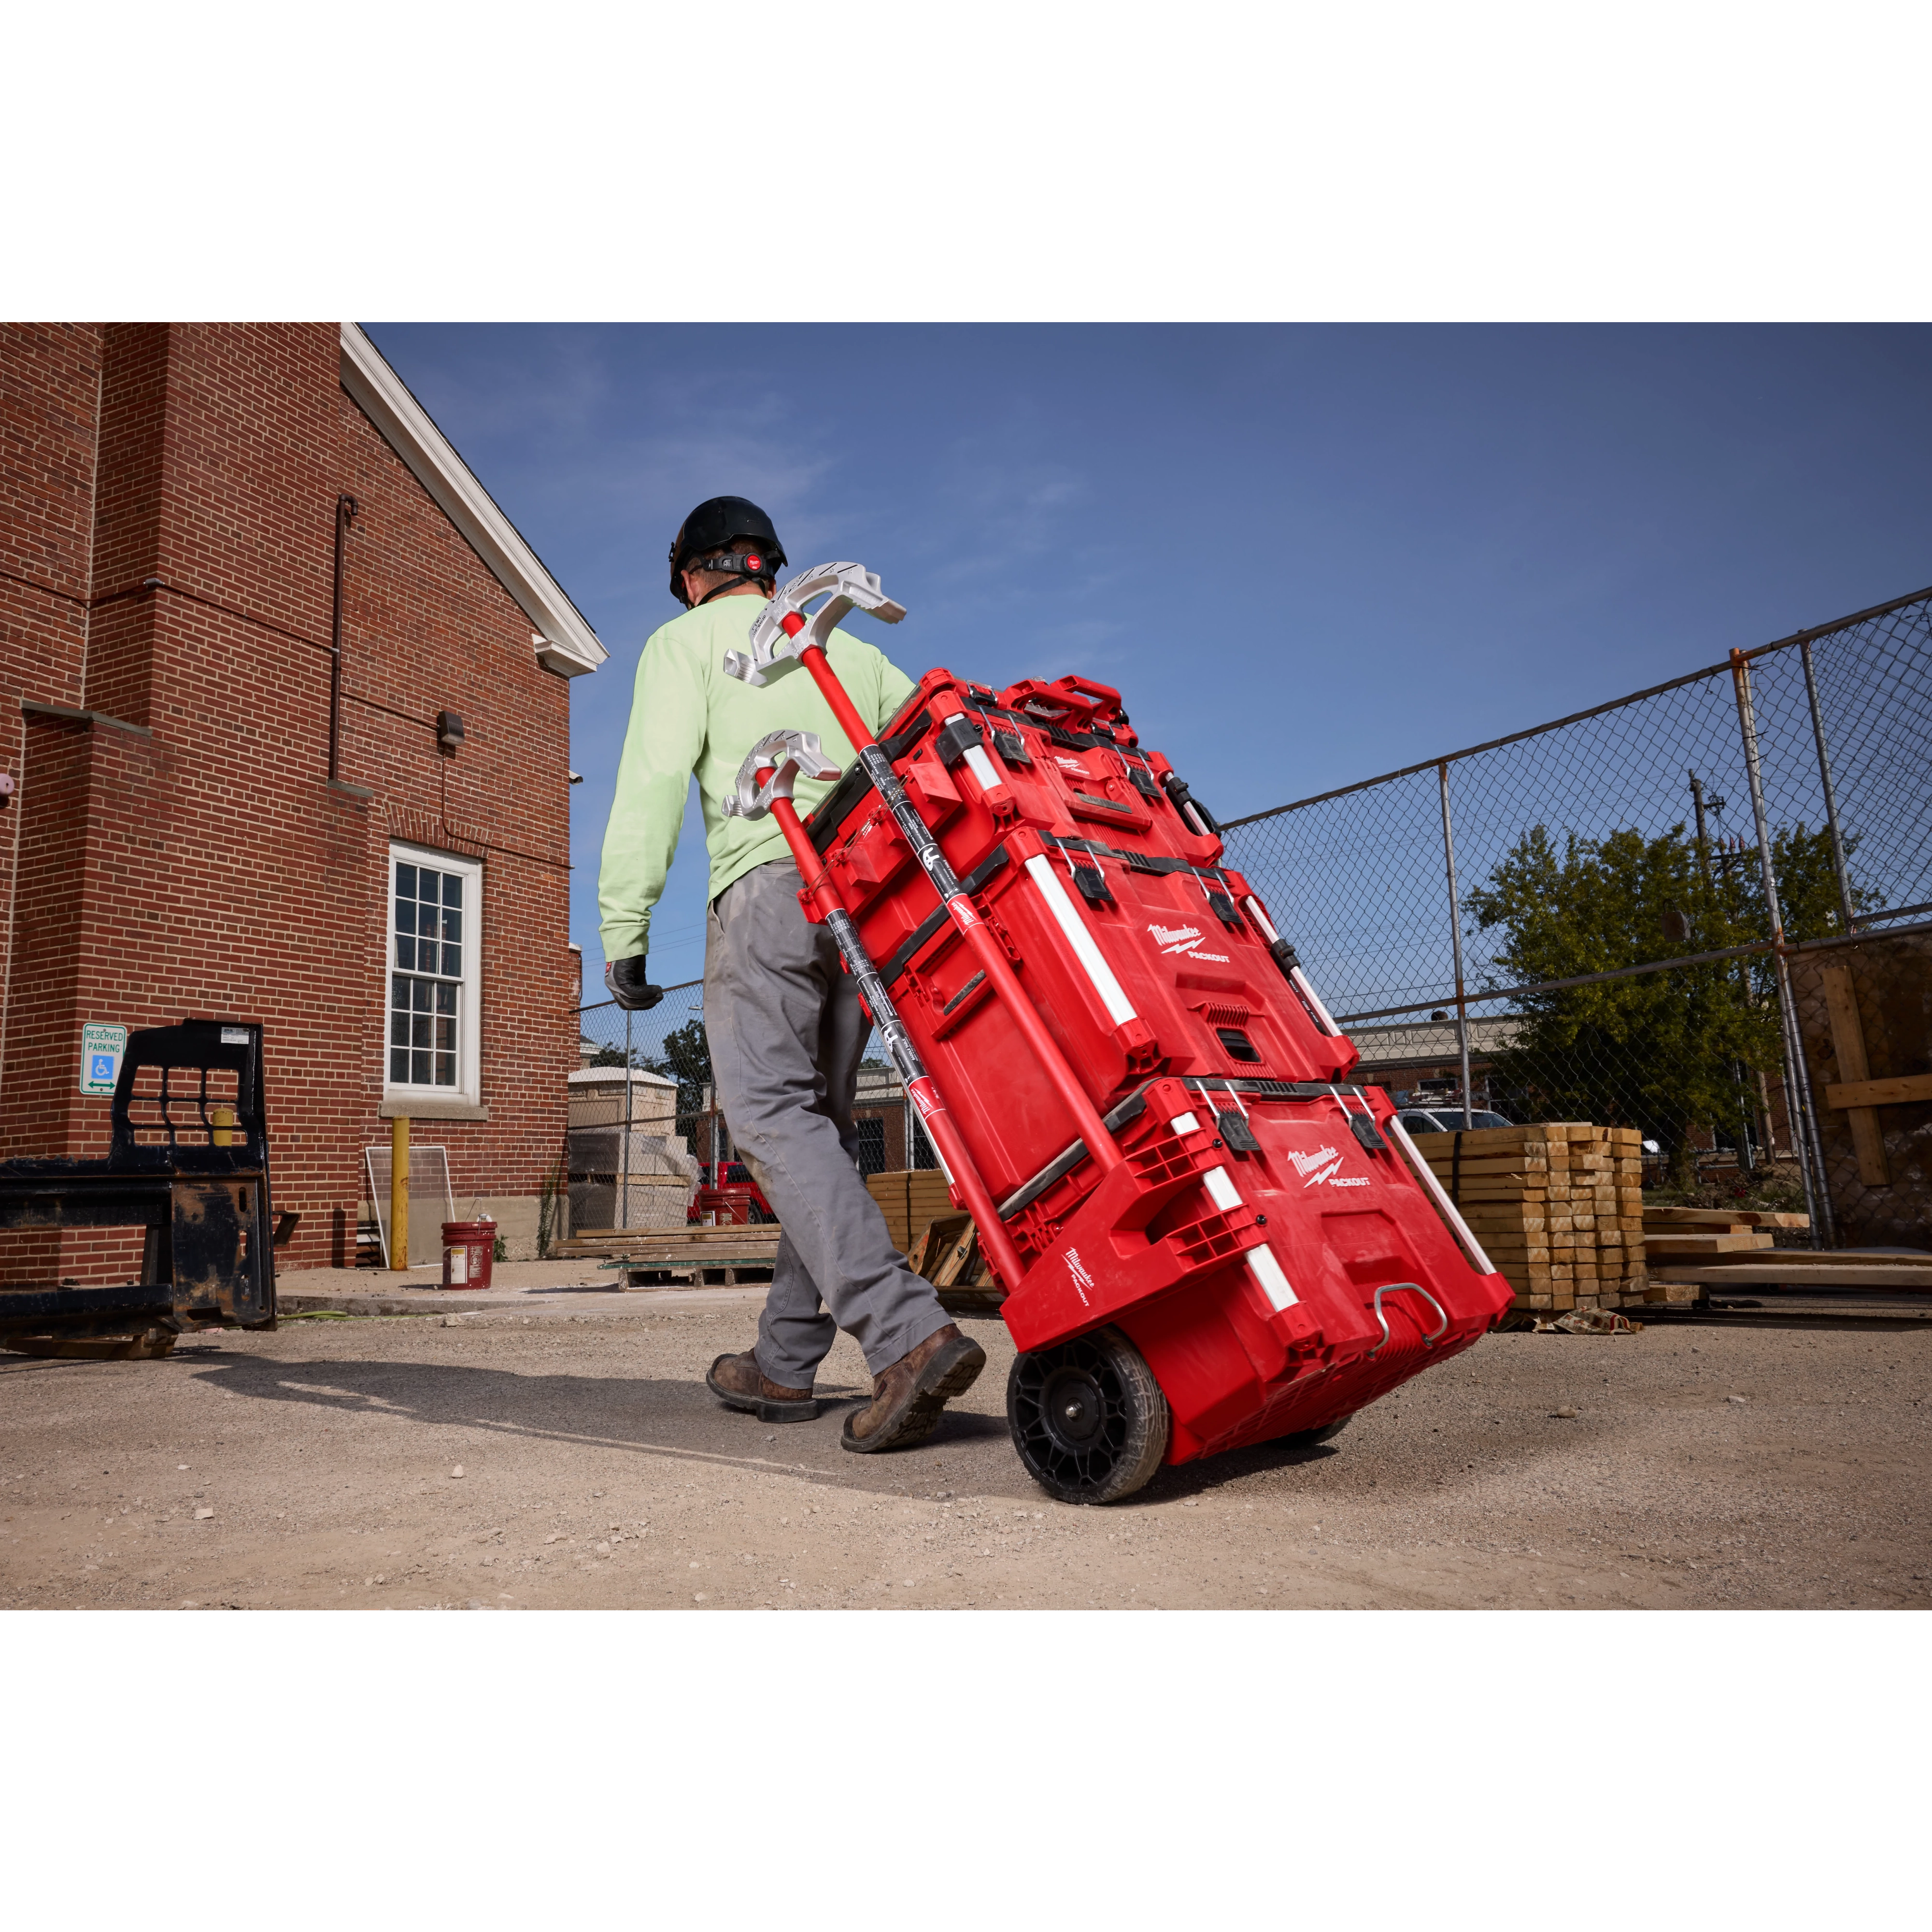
(738, 1381)
(907, 1397)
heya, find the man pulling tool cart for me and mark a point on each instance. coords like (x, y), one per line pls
(785, 1022)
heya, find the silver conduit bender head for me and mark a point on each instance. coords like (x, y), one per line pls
(783, 628)
(790, 756)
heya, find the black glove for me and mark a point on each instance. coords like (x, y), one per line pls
(628, 986)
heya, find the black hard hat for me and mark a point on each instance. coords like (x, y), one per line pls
(721, 521)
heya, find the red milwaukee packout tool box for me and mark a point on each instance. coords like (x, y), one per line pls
(1271, 1254)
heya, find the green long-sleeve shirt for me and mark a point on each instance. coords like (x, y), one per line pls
(687, 716)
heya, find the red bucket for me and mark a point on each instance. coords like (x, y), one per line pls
(468, 1248)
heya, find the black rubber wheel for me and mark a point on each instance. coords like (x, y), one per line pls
(1308, 1438)
(1087, 1417)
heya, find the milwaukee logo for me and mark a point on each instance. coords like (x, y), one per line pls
(1082, 1280)
(1184, 939)
(1073, 765)
(1325, 1166)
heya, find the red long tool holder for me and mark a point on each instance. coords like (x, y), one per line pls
(959, 904)
(961, 1174)
(1209, 1235)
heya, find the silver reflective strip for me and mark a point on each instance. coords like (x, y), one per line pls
(1261, 919)
(1482, 1264)
(981, 766)
(1269, 1278)
(1118, 1009)
(1314, 999)
(1222, 1191)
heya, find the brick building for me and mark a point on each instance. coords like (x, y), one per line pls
(212, 816)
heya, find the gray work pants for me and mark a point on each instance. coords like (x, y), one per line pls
(787, 1031)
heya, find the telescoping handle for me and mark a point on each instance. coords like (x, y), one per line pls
(1434, 1335)
(783, 616)
(765, 782)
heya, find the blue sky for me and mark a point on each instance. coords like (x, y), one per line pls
(1307, 554)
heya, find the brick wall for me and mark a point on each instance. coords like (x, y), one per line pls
(193, 857)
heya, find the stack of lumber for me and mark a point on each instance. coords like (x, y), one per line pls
(687, 1251)
(1693, 1249)
(1558, 1207)
(909, 1198)
(1675, 1238)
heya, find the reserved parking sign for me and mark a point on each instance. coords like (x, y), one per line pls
(101, 1048)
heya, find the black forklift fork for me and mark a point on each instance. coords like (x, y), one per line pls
(188, 1162)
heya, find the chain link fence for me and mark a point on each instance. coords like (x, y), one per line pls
(1865, 1013)
(645, 1130)
(1627, 916)
(1600, 918)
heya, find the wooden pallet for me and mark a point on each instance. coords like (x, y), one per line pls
(1795, 1268)
(690, 1254)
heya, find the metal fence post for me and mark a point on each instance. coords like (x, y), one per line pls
(1830, 793)
(624, 1211)
(1798, 1078)
(1456, 937)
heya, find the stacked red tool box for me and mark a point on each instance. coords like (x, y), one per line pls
(1269, 1255)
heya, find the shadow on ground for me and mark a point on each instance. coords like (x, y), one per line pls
(969, 1451)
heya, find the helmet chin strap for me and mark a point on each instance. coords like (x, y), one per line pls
(719, 589)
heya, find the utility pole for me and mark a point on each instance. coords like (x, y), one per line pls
(1703, 837)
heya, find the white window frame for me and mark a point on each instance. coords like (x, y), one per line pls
(468, 1004)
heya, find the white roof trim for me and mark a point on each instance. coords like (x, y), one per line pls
(564, 642)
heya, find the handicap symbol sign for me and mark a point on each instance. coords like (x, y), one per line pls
(102, 1047)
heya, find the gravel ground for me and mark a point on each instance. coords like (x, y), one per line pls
(319, 1466)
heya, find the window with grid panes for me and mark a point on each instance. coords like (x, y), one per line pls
(432, 907)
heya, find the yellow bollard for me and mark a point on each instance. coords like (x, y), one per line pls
(399, 1191)
(222, 1120)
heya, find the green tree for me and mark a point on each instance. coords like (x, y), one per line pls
(1666, 1052)
(1807, 884)
(684, 1055)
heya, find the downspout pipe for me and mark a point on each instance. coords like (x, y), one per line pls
(346, 508)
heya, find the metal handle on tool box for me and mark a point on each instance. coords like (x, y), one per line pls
(1408, 1288)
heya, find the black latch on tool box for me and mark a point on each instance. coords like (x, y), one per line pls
(1186, 803)
(956, 738)
(1093, 884)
